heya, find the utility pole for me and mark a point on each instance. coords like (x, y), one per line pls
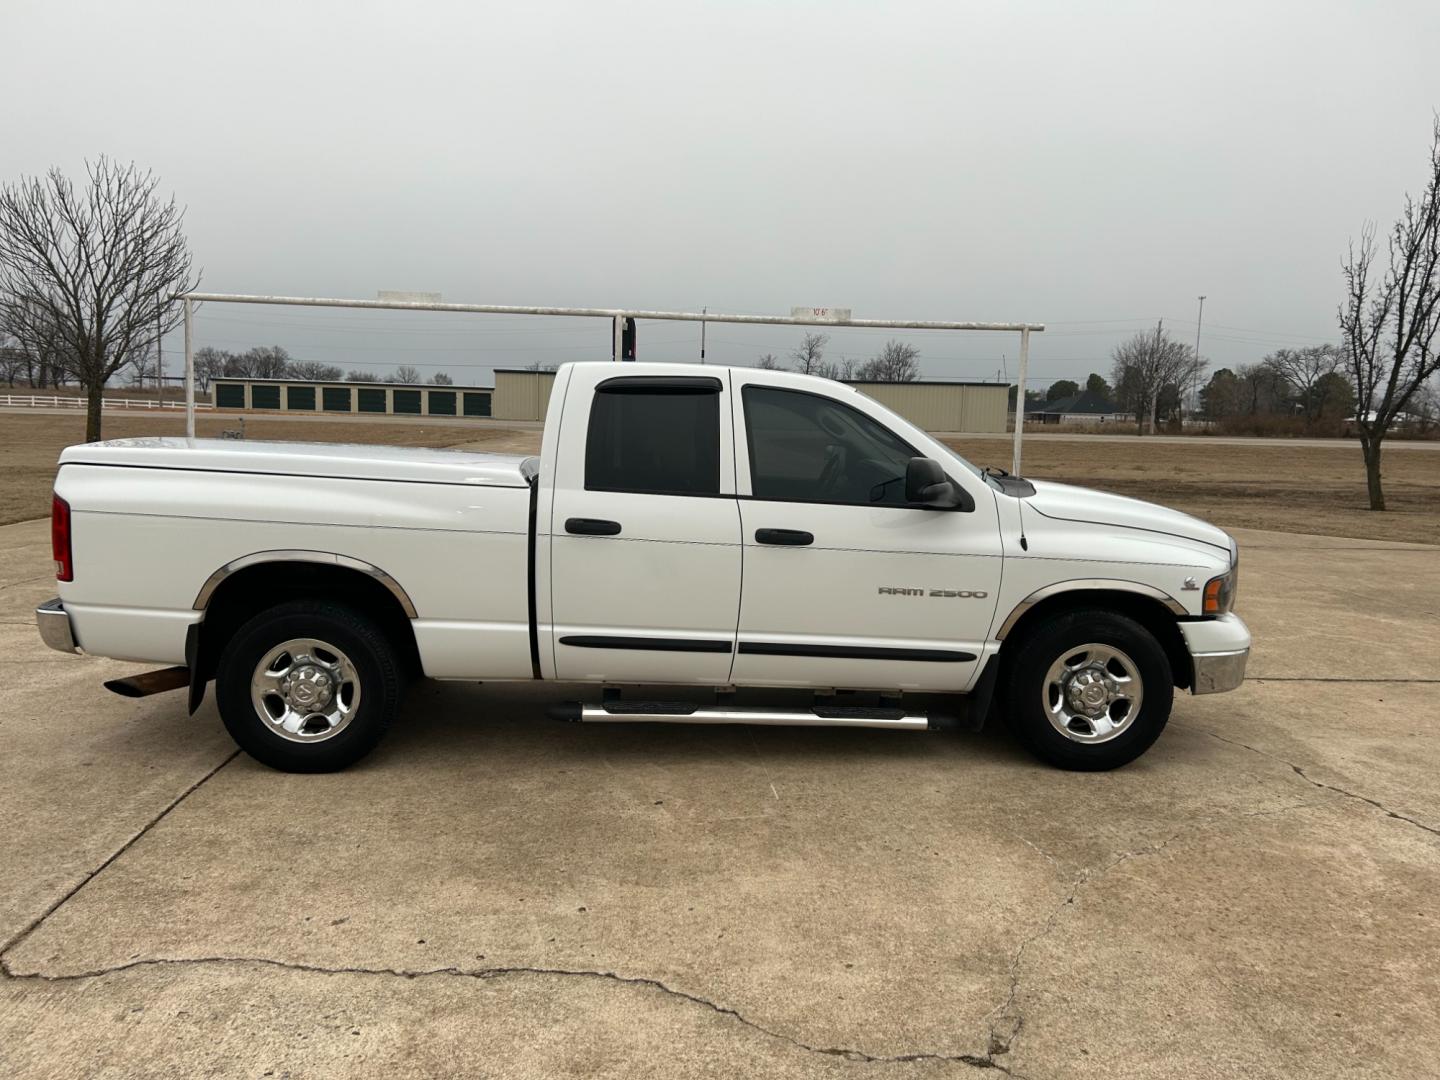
(1020, 401)
(1154, 402)
(1195, 378)
(159, 361)
(703, 311)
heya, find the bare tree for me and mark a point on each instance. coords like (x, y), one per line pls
(810, 354)
(896, 362)
(829, 369)
(1302, 370)
(100, 267)
(12, 359)
(1149, 368)
(359, 376)
(142, 370)
(264, 362)
(406, 374)
(34, 328)
(210, 364)
(442, 379)
(315, 371)
(1424, 407)
(768, 363)
(1389, 318)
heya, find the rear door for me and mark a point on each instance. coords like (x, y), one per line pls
(845, 584)
(645, 531)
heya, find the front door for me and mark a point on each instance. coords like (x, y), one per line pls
(645, 531)
(845, 584)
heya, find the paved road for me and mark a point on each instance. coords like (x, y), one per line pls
(496, 894)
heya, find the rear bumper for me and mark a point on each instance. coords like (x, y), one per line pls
(1219, 650)
(54, 623)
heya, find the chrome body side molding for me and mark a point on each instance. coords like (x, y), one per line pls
(285, 555)
(1085, 584)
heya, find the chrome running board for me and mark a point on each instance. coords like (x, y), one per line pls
(683, 713)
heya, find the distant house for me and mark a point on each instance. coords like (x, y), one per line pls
(1086, 407)
(1403, 422)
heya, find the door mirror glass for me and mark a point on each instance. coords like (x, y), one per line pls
(926, 485)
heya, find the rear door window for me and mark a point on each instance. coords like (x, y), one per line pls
(654, 435)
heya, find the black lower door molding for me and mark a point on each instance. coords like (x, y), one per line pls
(853, 652)
(646, 644)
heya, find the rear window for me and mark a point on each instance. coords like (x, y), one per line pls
(655, 436)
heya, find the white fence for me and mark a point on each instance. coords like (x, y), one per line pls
(57, 401)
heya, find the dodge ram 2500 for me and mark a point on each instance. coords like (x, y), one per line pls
(788, 548)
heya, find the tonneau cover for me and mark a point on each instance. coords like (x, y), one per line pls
(350, 461)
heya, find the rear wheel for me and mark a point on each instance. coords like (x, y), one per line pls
(308, 686)
(1089, 690)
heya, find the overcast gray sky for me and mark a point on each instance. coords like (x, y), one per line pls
(1093, 167)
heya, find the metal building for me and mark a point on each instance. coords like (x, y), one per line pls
(945, 406)
(933, 406)
(301, 396)
(522, 394)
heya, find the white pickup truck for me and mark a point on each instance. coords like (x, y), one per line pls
(784, 546)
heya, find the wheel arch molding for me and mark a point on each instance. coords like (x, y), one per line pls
(287, 555)
(1153, 608)
(245, 586)
(1090, 587)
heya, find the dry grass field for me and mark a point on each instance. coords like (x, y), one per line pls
(1264, 484)
(1258, 484)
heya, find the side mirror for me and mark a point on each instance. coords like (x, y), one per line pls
(925, 484)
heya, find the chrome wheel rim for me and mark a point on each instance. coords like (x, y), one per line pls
(1092, 693)
(305, 690)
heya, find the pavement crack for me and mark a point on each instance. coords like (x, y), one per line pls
(977, 1061)
(25, 581)
(1002, 1040)
(121, 850)
(1300, 772)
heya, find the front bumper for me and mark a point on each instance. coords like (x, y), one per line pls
(1219, 650)
(54, 623)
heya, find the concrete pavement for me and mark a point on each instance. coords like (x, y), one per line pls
(494, 894)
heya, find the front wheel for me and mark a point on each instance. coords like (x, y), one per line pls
(1090, 690)
(308, 686)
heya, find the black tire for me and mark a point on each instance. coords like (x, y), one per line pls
(1047, 643)
(376, 668)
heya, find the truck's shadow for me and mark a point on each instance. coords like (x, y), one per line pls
(461, 719)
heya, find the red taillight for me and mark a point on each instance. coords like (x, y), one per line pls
(60, 539)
